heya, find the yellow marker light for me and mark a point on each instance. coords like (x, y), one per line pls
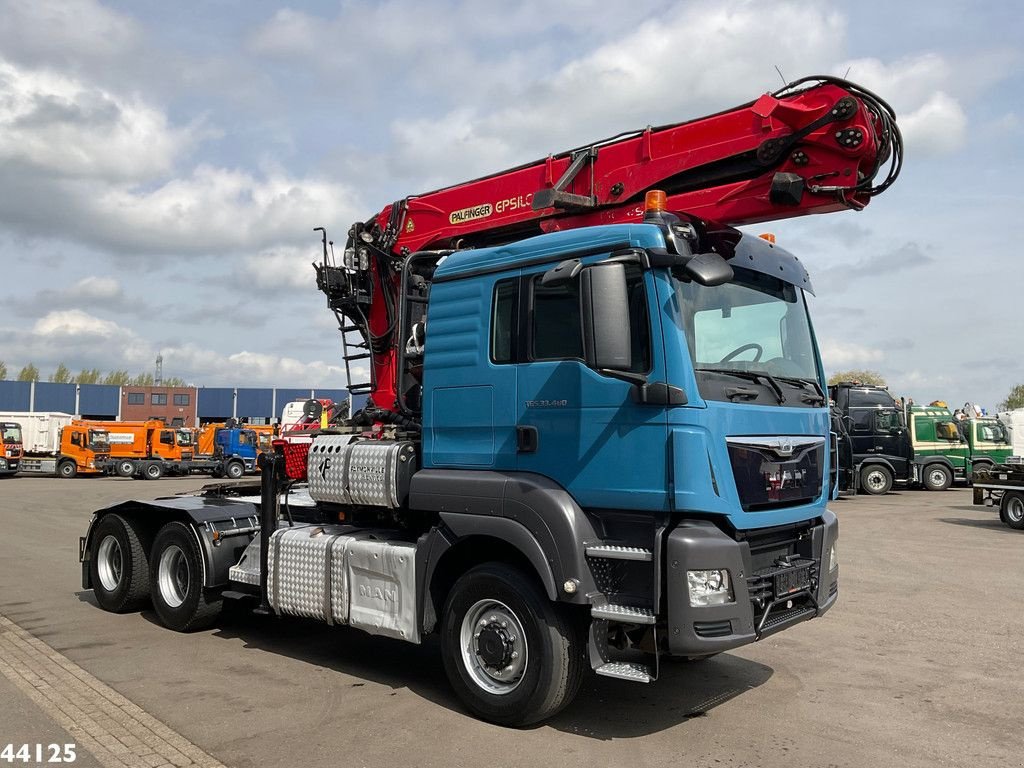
(654, 201)
(769, 236)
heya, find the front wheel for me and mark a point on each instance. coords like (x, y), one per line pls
(512, 656)
(1011, 509)
(234, 470)
(937, 477)
(876, 479)
(67, 470)
(176, 581)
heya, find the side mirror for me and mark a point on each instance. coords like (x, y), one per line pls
(708, 269)
(604, 301)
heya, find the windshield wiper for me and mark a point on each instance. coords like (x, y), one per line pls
(755, 376)
(818, 396)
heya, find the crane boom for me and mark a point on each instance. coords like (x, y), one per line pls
(818, 145)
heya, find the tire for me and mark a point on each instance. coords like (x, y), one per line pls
(118, 565)
(1011, 509)
(176, 581)
(548, 646)
(234, 470)
(937, 477)
(876, 479)
(124, 468)
(67, 469)
(153, 471)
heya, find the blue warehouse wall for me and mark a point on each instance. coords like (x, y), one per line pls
(256, 403)
(15, 395)
(215, 402)
(98, 401)
(55, 397)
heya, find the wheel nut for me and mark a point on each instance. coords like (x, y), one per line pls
(515, 654)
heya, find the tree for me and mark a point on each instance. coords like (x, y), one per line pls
(1013, 400)
(117, 378)
(29, 373)
(142, 380)
(174, 381)
(88, 376)
(62, 375)
(862, 377)
(3, 370)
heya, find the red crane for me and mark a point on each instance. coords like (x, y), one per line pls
(819, 144)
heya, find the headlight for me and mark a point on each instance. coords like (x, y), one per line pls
(92, 464)
(709, 587)
(833, 563)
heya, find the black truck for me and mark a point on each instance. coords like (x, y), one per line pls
(879, 451)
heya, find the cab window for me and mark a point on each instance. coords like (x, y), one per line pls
(167, 438)
(946, 430)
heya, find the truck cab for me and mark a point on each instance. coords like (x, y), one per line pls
(11, 448)
(236, 445)
(880, 446)
(83, 449)
(958, 445)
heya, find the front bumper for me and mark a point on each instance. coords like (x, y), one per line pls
(758, 609)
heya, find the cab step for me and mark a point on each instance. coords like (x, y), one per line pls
(627, 614)
(626, 670)
(613, 552)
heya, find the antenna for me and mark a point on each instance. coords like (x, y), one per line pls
(784, 80)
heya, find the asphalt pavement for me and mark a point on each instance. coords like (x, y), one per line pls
(915, 666)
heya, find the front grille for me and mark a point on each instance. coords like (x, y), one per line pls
(712, 628)
(774, 472)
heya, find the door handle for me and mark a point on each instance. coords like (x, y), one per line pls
(527, 439)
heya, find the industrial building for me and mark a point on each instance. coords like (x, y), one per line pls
(188, 406)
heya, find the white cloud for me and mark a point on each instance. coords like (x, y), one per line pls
(65, 30)
(837, 355)
(56, 124)
(75, 323)
(938, 126)
(279, 269)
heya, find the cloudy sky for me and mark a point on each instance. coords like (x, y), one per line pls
(162, 164)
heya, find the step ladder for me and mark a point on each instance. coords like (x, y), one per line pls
(634, 665)
(354, 347)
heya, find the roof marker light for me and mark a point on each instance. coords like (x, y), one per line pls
(654, 201)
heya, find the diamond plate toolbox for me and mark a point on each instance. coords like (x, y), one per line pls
(344, 470)
(342, 575)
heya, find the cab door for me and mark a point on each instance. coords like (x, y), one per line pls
(576, 426)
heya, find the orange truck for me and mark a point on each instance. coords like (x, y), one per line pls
(54, 443)
(152, 449)
(10, 447)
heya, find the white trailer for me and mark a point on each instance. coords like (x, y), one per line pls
(40, 432)
(1014, 423)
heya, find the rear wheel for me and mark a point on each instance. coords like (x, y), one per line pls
(176, 581)
(67, 469)
(876, 479)
(124, 468)
(153, 471)
(513, 657)
(1012, 510)
(118, 566)
(937, 477)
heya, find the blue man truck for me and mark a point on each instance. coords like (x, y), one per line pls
(596, 435)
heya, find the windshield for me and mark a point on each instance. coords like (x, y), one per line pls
(992, 432)
(99, 440)
(11, 434)
(184, 437)
(756, 323)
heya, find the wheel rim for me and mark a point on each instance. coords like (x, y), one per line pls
(67, 470)
(1015, 510)
(173, 576)
(126, 467)
(875, 480)
(109, 563)
(937, 477)
(494, 648)
(152, 472)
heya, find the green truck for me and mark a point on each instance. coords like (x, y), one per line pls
(959, 446)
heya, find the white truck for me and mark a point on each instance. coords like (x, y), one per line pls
(1014, 423)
